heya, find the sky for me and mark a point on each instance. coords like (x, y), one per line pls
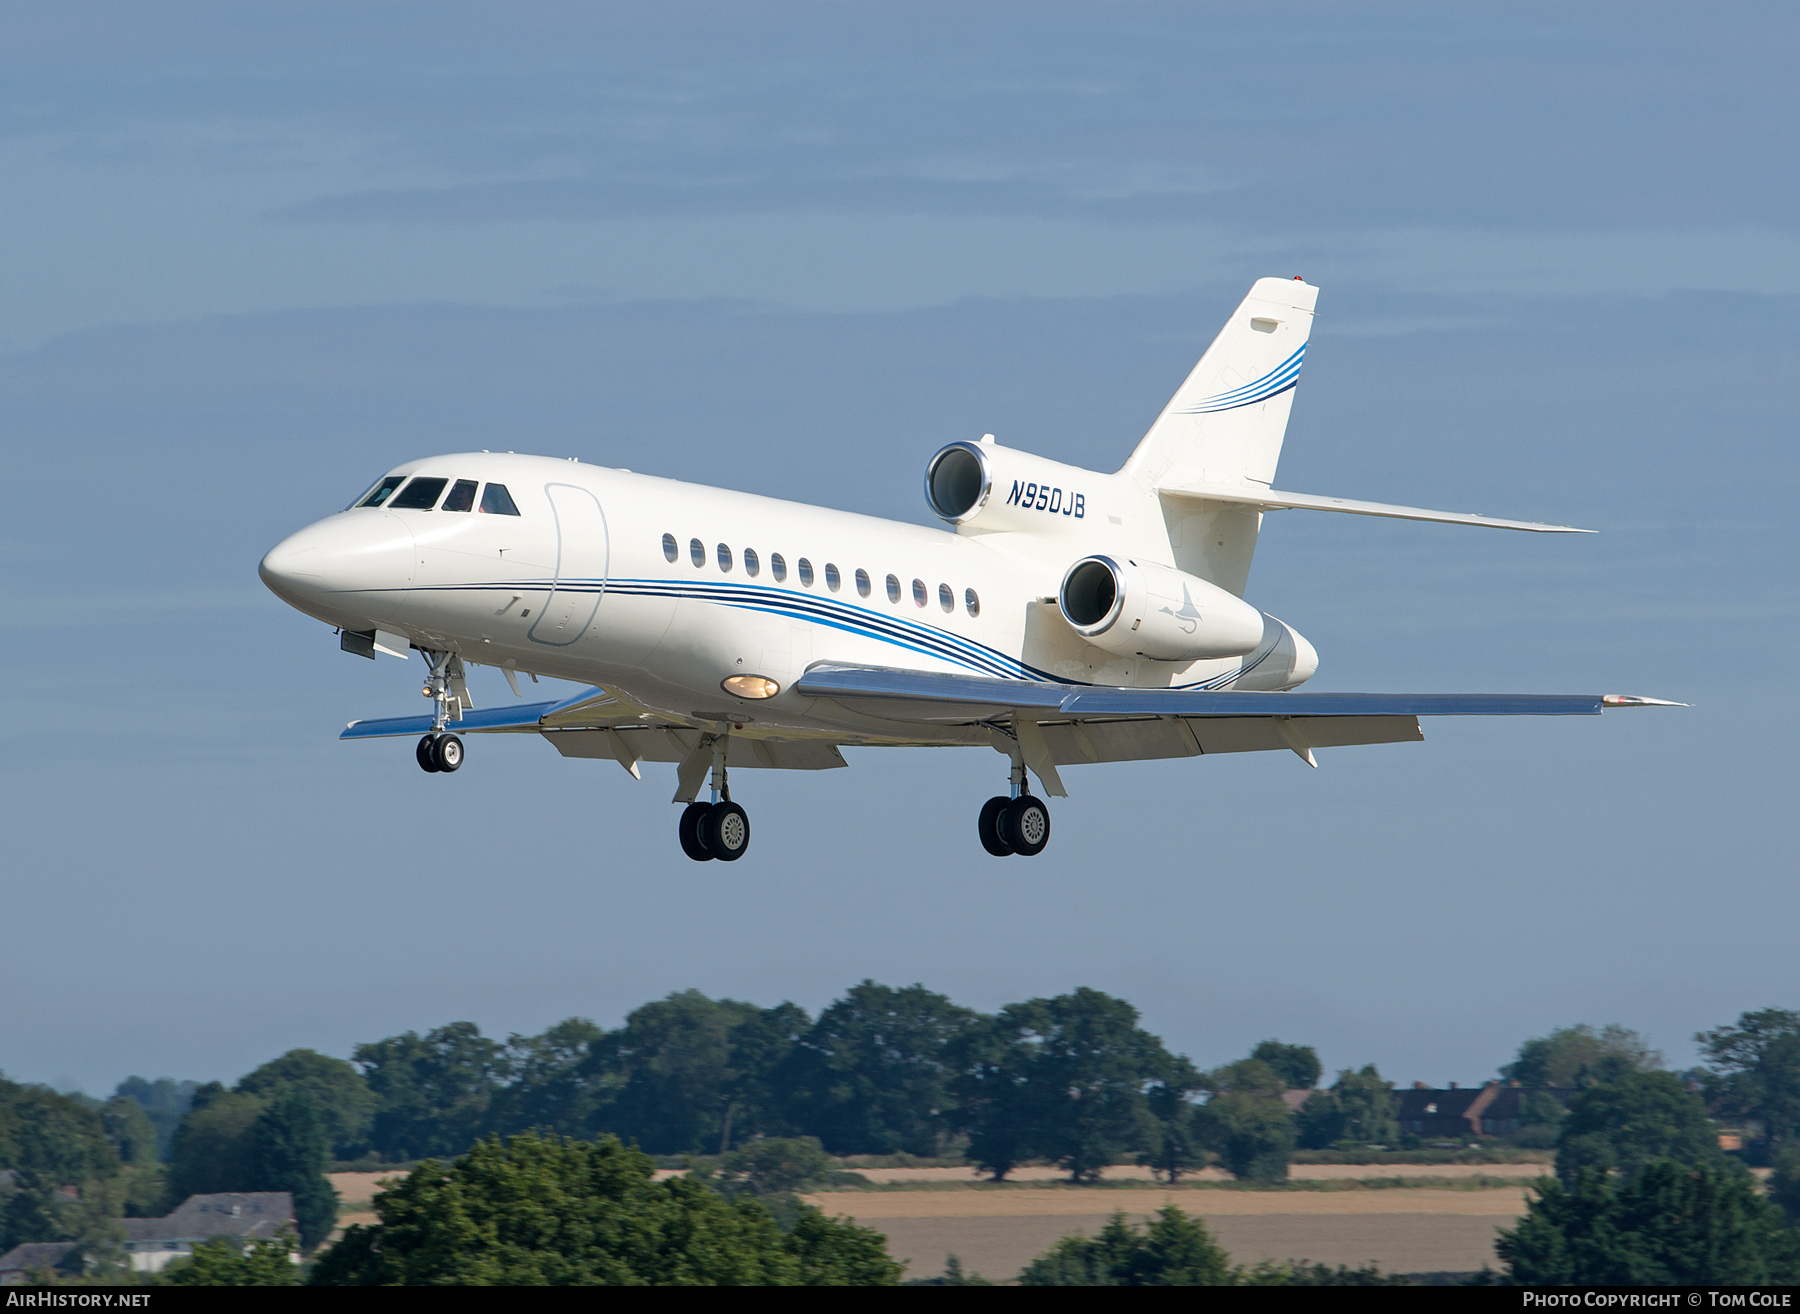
(250, 257)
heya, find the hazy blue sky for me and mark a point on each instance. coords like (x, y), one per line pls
(252, 256)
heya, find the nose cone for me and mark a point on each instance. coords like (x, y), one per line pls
(352, 568)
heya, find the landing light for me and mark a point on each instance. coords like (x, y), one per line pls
(750, 686)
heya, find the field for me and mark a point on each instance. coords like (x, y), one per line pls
(1333, 1213)
(996, 1231)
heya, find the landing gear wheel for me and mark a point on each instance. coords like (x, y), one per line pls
(427, 753)
(726, 831)
(689, 830)
(989, 825)
(447, 753)
(1027, 825)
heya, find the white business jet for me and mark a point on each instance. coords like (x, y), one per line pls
(1067, 617)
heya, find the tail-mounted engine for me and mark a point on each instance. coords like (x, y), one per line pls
(984, 487)
(1138, 609)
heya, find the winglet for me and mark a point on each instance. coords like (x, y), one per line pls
(1631, 700)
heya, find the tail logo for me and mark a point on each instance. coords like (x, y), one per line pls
(1277, 380)
(1189, 615)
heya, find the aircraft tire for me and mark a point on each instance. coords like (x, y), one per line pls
(447, 753)
(1027, 825)
(993, 813)
(691, 842)
(726, 831)
(427, 753)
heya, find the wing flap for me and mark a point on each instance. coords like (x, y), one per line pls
(927, 696)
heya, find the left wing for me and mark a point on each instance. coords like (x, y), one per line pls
(1056, 724)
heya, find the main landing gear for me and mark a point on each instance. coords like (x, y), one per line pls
(718, 829)
(1016, 823)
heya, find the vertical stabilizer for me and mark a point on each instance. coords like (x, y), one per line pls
(1224, 426)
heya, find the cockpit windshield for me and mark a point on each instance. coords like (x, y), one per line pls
(381, 492)
(419, 495)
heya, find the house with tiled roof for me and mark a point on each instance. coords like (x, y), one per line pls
(1459, 1112)
(154, 1243)
(18, 1264)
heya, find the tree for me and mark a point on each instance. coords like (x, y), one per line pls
(872, 1076)
(432, 1093)
(212, 1148)
(337, 1092)
(1628, 1123)
(1784, 1182)
(288, 1153)
(34, 1210)
(1174, 1251)
(1581, 1056)
(129, 1129)
(1670, 1225)
(1247, 1123)
(536, 1211)
(1298, 1065)
(264, 1262)
(1753, 1070)
(673, 1071)
(164, 1101)
(44, 1132)
(552, 1087)
(1179, 1142)
(1368, 1105)
(992, 1098)
(775, 1166)
(1084, 1080)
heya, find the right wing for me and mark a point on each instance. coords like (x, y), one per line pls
(1068, 724)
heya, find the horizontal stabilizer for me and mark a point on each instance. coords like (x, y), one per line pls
(1270, 499)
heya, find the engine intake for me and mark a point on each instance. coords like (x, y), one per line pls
(1138, 609)
(958, 481)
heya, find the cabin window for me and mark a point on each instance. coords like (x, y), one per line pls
(833, 580)
(724, 558)
(863, 587)
(893, 583)
(670, 550)
(919, 592)
(462, 496)
(777, 567)
(751, 565)
(381, 492)
(946, 599)
(805, 571)
(419, 495)
(972, 602)
(495, 500)
(696, 552)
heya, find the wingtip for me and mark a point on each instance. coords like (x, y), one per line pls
(1632, 700)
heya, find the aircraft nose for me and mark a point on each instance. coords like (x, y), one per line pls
(344, 563)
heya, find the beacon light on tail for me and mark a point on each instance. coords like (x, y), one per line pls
(1065, 617)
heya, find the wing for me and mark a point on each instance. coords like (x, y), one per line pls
(598, 724)
(1067, 724)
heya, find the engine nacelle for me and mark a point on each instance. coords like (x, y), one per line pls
(1137, 609)
(986, 487)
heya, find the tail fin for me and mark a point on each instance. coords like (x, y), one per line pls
(1224, 426)
(1228, 419)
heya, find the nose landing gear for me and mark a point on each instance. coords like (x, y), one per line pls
(1015, 823)
(719, 829)
(445, 686)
